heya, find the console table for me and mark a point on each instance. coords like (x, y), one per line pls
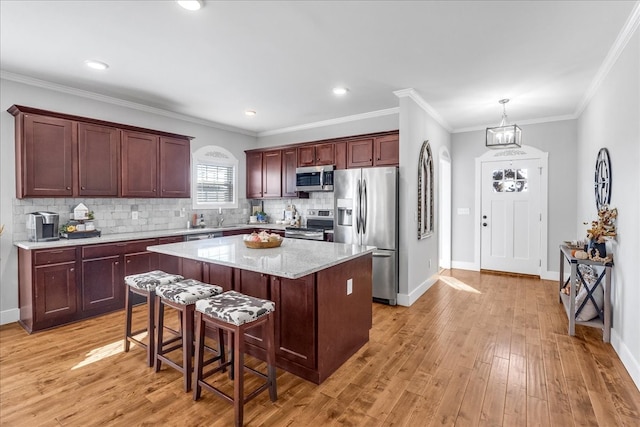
(603, 321)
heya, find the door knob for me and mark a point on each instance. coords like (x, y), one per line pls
(484, 224)
(484, 217)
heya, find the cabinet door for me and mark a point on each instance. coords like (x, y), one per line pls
(387, 151)
(46, 162)
(102, 285)
(325, 154)
(140, 262)
(55, 294)
(139, 158)
(175, 167)
(307, 155)
(221, 275)
(360, 153)
(98, 160)
(289, 164)
(340, 151)
(295, 319)
(254, 175)
(167, 263)
(192, 269)
(272, 174)
(255, 285)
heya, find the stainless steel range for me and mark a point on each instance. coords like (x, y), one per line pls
(319, 226)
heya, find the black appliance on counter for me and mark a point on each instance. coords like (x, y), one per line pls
(319, 226)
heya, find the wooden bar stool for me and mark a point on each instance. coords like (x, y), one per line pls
(182, 296)
(144, 284)
(235, 312)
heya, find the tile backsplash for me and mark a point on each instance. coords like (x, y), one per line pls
(114, 215)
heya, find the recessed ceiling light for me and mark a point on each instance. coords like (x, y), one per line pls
(250, 113)
(96, 65)
(191, 4)
(340, 90)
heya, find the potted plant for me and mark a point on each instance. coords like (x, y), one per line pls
(261, 216)
(601, 230)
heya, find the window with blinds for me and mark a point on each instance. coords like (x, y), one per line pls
(214, 178)
(215, 184)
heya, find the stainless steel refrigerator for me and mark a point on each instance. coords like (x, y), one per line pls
(366, 213)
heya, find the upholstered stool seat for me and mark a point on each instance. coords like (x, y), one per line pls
(235, 312)
(182, 296)
(144, 284)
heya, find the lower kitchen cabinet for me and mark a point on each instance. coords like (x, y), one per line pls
(192, 269)
(255, 285)
(59, 286)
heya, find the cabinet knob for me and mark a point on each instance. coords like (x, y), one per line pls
(84, 188)
(128, 261)
(154, 190)
(68, 188)
(116, 263)
(72, 269)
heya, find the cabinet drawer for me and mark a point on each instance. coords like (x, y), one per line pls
(140, 245)
(99, 251)
(54, 256)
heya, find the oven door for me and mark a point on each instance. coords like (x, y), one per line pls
(302, 233)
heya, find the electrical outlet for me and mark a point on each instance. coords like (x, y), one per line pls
(134, 215)
(349, 286)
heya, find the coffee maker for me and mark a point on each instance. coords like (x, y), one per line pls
(42, 226)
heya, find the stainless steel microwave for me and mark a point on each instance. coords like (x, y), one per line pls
(314, 178)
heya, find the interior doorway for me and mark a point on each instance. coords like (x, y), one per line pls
(444, 214)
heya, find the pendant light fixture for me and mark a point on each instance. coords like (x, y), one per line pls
(505, 135)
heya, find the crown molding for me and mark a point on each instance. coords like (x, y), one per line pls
(522, 122)
(330, 122)
(415, 96)
(19, 78)
(616, 49)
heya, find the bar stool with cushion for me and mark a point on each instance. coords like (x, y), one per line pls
(235, 312)
(144, 284)
(181, 296)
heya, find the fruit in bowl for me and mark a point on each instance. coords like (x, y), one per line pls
(263, 239)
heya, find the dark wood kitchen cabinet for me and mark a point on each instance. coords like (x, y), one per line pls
(295, 319)
(167, 263)
(47, 287)
(102, 287)
(61, 155)
(289, 164)
(254, 175)
(377, 151)
(360, 153)
(316, 155)
(140, 154)
(264, 174)
(46, 149)
(98, 160)
(255, 285)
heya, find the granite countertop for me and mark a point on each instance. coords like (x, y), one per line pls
(120, 237)
(293, 259)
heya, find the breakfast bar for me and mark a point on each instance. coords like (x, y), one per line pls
(322, 291)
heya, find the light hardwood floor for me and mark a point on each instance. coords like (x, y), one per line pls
(476, 349)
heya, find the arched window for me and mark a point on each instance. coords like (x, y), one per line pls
(214, 178)
(426, 222)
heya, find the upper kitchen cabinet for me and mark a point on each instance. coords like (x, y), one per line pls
(289, 164)
(264, 174)
(175, 167)
(60, 155)
(376, 151)
(46, 149)
(140, 156)
(98, 160)
(316, 155)
(360, 153)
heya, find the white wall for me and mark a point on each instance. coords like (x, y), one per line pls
(612, 120)
(68, 102)
(556, 138)
(417, 126)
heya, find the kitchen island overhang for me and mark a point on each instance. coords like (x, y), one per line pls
(322, 291)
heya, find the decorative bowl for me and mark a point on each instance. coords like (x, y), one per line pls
(262, 245)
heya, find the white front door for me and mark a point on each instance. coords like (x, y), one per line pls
(510, 216)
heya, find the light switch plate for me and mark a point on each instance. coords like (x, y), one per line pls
(349, 286)
(134, 215)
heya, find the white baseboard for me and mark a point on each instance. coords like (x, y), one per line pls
(465, 265)
(628, 359)
(9, 316)
(407, 300)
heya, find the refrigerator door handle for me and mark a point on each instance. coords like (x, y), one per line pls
(364, 207)
(358, 209)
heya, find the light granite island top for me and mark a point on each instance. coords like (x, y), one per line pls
(322, 292)
(293, 259)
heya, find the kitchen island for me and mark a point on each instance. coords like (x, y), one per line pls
(322, 291)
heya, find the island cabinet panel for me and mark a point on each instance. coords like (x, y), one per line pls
(192, 269)
(175, 167)
(295, 319)
(220, 275)
(168, 263)
(139, 164)
(98, 160)
(255, 285)
(45, 160)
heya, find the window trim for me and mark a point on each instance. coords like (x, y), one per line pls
(214, 156)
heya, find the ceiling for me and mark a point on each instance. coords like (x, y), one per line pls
(282, 59)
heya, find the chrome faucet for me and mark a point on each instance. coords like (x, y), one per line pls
(220, 220)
